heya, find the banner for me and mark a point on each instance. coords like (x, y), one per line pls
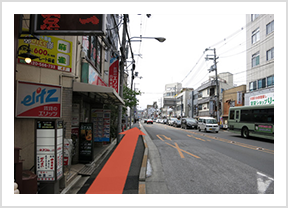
(36, 100)
(114, 74)
(263, 99)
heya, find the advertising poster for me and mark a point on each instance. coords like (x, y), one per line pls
(94, 77)
(86, 142)
(114, 74)
(36, 100)
(101, 125)
(54, 53)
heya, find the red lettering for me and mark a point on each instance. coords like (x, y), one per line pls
(50, 22)
(94, 20)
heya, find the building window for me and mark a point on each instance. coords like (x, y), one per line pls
(254, 16)
(270, 27)
(270, 54)
(262, 83)
(200, 107)
(270, 81)
(199, 94)
(255, 35)
(255, 59)
(252, 86)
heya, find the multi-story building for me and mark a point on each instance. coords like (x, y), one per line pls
(260, 59)
(182, 108)
(71, 80)
(169, 99)
(207, 94)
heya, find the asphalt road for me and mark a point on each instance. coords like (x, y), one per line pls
(196, 162)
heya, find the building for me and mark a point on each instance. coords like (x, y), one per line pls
(232, 97)
(182, 100)
(169, 99)
(68, 87)
(207, 92)
(260, 59)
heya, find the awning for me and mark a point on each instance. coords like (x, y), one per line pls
(107, 93)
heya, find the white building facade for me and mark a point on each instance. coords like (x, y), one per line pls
(260, 59)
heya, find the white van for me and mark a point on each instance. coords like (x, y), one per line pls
(208, 124)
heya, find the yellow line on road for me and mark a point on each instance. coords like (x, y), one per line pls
(160, 138)
(196, 138)
(183, 151)
(179, 150)
(167, 137)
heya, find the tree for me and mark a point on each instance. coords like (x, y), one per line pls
(129, 97)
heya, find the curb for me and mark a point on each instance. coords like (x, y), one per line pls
(142, 175)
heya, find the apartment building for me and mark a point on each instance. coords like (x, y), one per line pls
(260, 59)
(169, 98)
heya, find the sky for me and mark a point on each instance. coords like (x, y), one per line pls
(181, 57)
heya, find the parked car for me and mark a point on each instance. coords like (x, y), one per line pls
(145, 120)
(164, 121)
(189, 123)
(177, 123)
(171, 120)
(149, 121)
(208, 124)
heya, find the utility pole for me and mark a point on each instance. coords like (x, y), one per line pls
(214, 68)
(123, 60)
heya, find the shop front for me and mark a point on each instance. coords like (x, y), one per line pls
(88, 110)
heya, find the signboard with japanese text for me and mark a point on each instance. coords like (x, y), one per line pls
(69, 24)
(114, 74)
(54, 53)
(36, 100)
(262, 99)
(86, 142)
(49, 150)
(101, 125)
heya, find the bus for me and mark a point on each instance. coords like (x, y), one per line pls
(257, 121)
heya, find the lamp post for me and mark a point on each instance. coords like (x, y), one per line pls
(160, 39)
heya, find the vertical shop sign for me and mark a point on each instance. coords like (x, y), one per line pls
(54, 53)
(114, 74)
(86, 142)
(49, 150)
(101, 125)
(36, 100)
(239, 98)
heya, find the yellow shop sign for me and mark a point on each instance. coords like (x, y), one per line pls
(54, 53)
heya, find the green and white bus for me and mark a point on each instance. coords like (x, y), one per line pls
(257, 121)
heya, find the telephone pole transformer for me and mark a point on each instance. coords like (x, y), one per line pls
(214, 68)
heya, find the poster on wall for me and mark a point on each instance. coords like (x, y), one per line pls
(35, 100)
(54, 53)
(86, 142)
(94, 77)
(101, 125)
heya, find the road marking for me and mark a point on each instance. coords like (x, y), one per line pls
(196, 138)
(263, 182)
(184, 151)
(167, 137)
(179, 150)
(160, 138)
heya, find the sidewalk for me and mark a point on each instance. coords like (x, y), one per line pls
(80, 176)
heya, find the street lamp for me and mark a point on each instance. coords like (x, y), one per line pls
(160, 39)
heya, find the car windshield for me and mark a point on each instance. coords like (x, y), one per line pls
(191, 120)
(211, 121)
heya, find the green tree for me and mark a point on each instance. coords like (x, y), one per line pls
(129, 97)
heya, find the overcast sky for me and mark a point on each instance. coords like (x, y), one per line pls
(180, 58)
